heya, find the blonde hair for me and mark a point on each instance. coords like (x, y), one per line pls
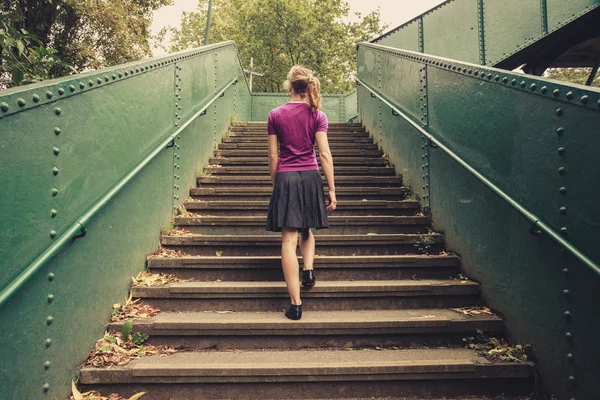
(304, 83)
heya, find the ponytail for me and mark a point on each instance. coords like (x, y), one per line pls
(306, 84)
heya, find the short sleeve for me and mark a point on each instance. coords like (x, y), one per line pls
(271, 124)
(322, 122)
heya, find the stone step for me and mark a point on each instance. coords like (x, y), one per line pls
(338, 225)
(264, 124)
(264, 170)
(325, 296)
(380, 181)
(318, 373)
(264, 245)
(316, 329)
(246, 138)
(334, 146)
(344, 207)
(328, 268)
(334, 152)
(332, 129)
(264, 193)
(338, 161)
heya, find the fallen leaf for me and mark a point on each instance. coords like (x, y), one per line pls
(76, 394)
(219, 253)
(137, 396)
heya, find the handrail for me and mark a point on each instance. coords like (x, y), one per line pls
(78, 228)
(535, 221)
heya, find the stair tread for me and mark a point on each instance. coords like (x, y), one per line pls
(319, 319)
(290, 365)
(334, 219)
(319, 260)
(268, 239)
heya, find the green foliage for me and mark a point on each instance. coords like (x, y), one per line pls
(23, 57)
(281, 33)
(139, 338)
(42, 39)
(127, 329)
(573, 75)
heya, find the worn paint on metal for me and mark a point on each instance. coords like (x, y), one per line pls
(513, 129)
(68, 142)
(485, 31)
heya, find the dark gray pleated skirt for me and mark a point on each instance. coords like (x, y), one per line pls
(298, 201)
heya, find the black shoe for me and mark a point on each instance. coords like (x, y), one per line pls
(308, 278)
(295, 312)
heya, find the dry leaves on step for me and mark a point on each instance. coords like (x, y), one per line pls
(112, 350)
(133, 309)
(146, 278)
(178, 232)
(473, 310)
(167, 253)
(219, 253)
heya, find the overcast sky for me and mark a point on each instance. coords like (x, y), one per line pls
(393, 12)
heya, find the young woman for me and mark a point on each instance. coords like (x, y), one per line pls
(298, 200)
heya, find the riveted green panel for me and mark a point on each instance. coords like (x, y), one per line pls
(524, 17)
(560, 11)
(350, 105)
(26, 196)
(332, 104)
(519, 132)
(451, 30)
(406, 37)
(368, 66)
(404, 81)
(108, 122)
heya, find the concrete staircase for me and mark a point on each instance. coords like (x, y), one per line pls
(377, 324)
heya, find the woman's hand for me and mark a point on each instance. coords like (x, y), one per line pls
(332, 201)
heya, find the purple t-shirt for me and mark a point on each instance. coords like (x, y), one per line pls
(295, 125)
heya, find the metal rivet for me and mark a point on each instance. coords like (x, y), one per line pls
(50, 278)
(562, 170)
(36, 98)
(54, 192)
(567, 314)
(533, 87)
(559, 111)
(57, 111)
(49, 95)
(56, 151)
(47, 365)
(489, 76)
(571, 379)
(51, 296)
(53, 213)
(562, 210)
(565, 270)
(570, 95)
(561, 151)
(476, 73)
(46, 387)
(570, 357)
(48, 342)
(585, 99)
(81, 85)
(513, 82)
(566, 292)
(563, 230)
(57, 131)
(560, 131)
(106, 78)
(49, 320)
(126, 73)
(90, 83)
(99, 80)
(544, 89)
(137, 70)
(505, 79)
(4, 107)
(72, 88)
(53, 233)
(55, 171)
(556, 92)
(120, 74)
(21, 102)
(568, 335)
(523, 84)
(131, 71)
(61, 91)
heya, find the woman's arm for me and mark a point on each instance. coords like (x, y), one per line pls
(273, 156)
(327, 164)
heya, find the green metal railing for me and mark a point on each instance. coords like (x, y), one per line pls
(78, 229)
(484, 31)
(108, 154)
(536, 224)
(505, 163)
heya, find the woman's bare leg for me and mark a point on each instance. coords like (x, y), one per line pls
(289, 262)
(307, 248)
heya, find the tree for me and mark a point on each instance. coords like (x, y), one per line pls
(281, 33)
(87, 34)
(573, 75)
